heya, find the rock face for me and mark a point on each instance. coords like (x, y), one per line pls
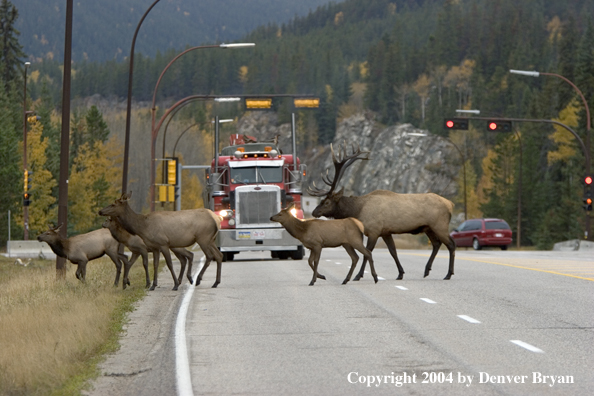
(398, 161)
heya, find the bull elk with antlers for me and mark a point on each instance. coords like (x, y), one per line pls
(384, 213)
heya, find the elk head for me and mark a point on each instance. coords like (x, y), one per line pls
(329, 205)
(50, 235)
(284, 215)
(118, 206)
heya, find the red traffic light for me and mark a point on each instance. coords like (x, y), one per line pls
(588, 180)
(456, 123)
(499, 126)
(589, 201)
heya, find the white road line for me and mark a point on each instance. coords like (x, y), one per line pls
(428, 301)
(468, 319)
(401, 287)
(380, 278)
(337, 263)
(182, 364)
(531, 348)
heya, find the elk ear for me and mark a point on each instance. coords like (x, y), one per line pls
(291, 206)
(58, 227)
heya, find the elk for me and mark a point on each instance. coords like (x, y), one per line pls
(384, 213)
(80, 249)
(317, 234)
(135, 244)
(161, 231)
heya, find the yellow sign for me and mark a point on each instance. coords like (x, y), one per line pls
(258, 103)
(307, 103)
(166, 193)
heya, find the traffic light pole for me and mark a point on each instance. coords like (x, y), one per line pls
(585, 151)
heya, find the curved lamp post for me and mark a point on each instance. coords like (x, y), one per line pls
(588, 123)
(129, 103)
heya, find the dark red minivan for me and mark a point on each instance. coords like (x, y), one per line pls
(483, 232)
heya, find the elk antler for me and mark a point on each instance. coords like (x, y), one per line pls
(341, 162)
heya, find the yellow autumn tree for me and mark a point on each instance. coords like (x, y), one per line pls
(421, 87)
(563, 139)
(42, 210)
(92, 184)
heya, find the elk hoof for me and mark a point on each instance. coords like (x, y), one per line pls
(175, 287)
(215, 285)
(448, 276)
(357, 277)
(344, 282)
(401, 276)
(321, 277)
(148, 284)
(153, 287)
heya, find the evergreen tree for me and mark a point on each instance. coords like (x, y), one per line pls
(11, 51)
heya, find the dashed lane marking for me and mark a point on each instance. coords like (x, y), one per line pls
(525, 345)
(401, 287)
(468, 319)
(428, 301)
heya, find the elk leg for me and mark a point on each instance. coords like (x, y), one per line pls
(81, 270)
(180, 254)
(392, 248)
(219, 260)
(190, 257)
(167, 256)
(310, 262)
(204, 267)
(155, 269)
(127, 266)
(371, 241)
(436, 244)
(146, 269)
(316, 260)
(451, 245)
(354, 260)
(367, 255)
(116, 260)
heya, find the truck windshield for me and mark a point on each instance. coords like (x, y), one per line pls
(256, 175)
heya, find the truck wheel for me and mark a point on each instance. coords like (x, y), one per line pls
(274, 254)
(230, 256)
(283, 255)
(298, 254)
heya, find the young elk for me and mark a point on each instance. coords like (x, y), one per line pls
(139, 249)
(80, 249)
(317, 234)
(161, 231)
(384, 213)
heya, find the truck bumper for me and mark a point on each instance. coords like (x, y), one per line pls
(230, 241)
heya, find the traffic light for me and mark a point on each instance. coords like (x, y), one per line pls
(499, 126)
(588, 193)
(26, 187)
(455, 123)
(172, 171)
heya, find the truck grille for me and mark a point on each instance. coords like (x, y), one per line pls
(255, 207)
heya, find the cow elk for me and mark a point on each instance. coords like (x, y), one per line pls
(161, 231)
(80, 249)
(135, 244)
(317, 234)
(384, 213)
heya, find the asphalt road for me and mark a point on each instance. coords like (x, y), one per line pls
(511, 323)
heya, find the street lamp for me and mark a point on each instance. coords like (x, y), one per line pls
(25, 208)
(588, 123)
(581, 95)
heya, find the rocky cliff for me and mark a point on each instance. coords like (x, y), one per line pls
(398, 161)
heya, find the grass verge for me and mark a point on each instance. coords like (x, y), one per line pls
(54, 333)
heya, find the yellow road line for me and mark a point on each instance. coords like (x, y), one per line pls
(510, 265)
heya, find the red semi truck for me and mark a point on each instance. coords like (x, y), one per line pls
(247, 183)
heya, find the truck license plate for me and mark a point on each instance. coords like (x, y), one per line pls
(257, 234)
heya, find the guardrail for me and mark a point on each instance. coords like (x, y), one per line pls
(29, 249)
